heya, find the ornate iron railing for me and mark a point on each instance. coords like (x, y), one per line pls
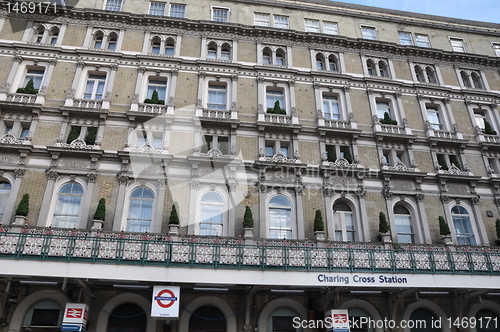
(230, 253)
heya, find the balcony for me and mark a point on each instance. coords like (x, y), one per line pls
(65, 245)
(390, 129)
(87, 103)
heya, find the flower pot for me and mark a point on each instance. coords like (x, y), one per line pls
(97, 225)
(19, 221)
(447, 240)
(173, 229)
(386, 240)
(248, 233)
(320, 236)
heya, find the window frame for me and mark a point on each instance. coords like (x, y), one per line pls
(223, 215)
(405, 41)
(221, 19)
(180, 6)
(95, 87)
(411, 225)
(4, 198)
(293, 223)
(496, 48)
(373, 35)
(315, 28)
(81, 222)
(418, 40)
(454, 218)
(112, 7)
(225, 209)
(281, 25)
(151, 3)
(262, 22)
(153, 208)
(457, 44)
(335, 24)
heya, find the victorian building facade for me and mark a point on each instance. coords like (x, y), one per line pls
(287, 108)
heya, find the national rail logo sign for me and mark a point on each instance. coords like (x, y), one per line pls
(76, 313)
(165, 301)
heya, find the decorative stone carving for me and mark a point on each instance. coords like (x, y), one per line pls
(91, 177)
(399, 167)
(280, 158)
(19, 172)
(146, 148)
(77, 144)
(215, 153)
(387, 193)
(52, 175)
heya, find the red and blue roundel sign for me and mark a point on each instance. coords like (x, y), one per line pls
(165, 301)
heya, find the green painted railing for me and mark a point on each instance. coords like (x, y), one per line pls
(143, 249)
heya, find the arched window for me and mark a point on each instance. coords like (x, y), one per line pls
(54, 33)
(267, 56)
(384, 72)
(212, 214)
(140, 210)
(112, 40)
(477, 81)
(225, 53)
(463, 227)
(158, 84)
(370, 67)
(487, 321)
(44, 315)
(343, 222)
(280, 218)
(419, 73)
(280, 57)
(155, 45)
(68, 203)
(320, 62)
(207, 318)
(431, 75)
(331, 107)
(39, 34)
(404, 228)
(212, 51)
(423, 315)
(333, 63)
(98, 37)
(465, 79)
(127, 317)
(5, 188)
(170, 47)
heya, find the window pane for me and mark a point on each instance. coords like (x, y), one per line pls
(157, 8)
(113, 5)
(261, 20)
(331, 108)
(330, 28)
(68, 205)
(217, 97)
(281, 22)
(457, 45)
(279, 201)
(4, 196)
(405, 38)
(140, 210)
(496, 47)
(272, 96)
(177, 11)
(382, 108)
(220, 15)
(433, 116)
(422, 40)
(311, 25)
(369, 33)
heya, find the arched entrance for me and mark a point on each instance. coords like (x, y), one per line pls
(207, 319)
(127, 317)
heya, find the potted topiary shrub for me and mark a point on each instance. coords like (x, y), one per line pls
(22, 211)
(154, 99)
(248, 223)
(387, 120)
(276, 109)
(99, 215)
(319, 227)
(384, 228)
(173, 221)
(28, 89)
(488, 130)
(444, 230)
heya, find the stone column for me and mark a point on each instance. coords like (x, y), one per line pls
(43, 217)
(84, 221)
(14, 191)
(117, 222)
(299, 213)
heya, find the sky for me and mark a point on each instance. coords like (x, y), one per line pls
(477, 10)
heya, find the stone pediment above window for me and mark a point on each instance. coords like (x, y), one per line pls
(11, 139)
(215, 153)
(77, 144)
(146, 148)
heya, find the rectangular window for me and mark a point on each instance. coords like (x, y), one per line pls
(157, 8)
(25, 131)
(275, 99)
(36, 75)
(161, 89)
(158, 141)
(311, 25)
(496, 47)
(269, 149)
(177, 11)
(458, 45)
(223, 144)
(113, 5)
(331, 108)
(369, 33)
(220, 15)
(281, 22)
(422, 40)
(261, 20)
(405, 38)
(382, 108)
(95, 87)
(330, 28)
(434, 120)
(217, 95)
